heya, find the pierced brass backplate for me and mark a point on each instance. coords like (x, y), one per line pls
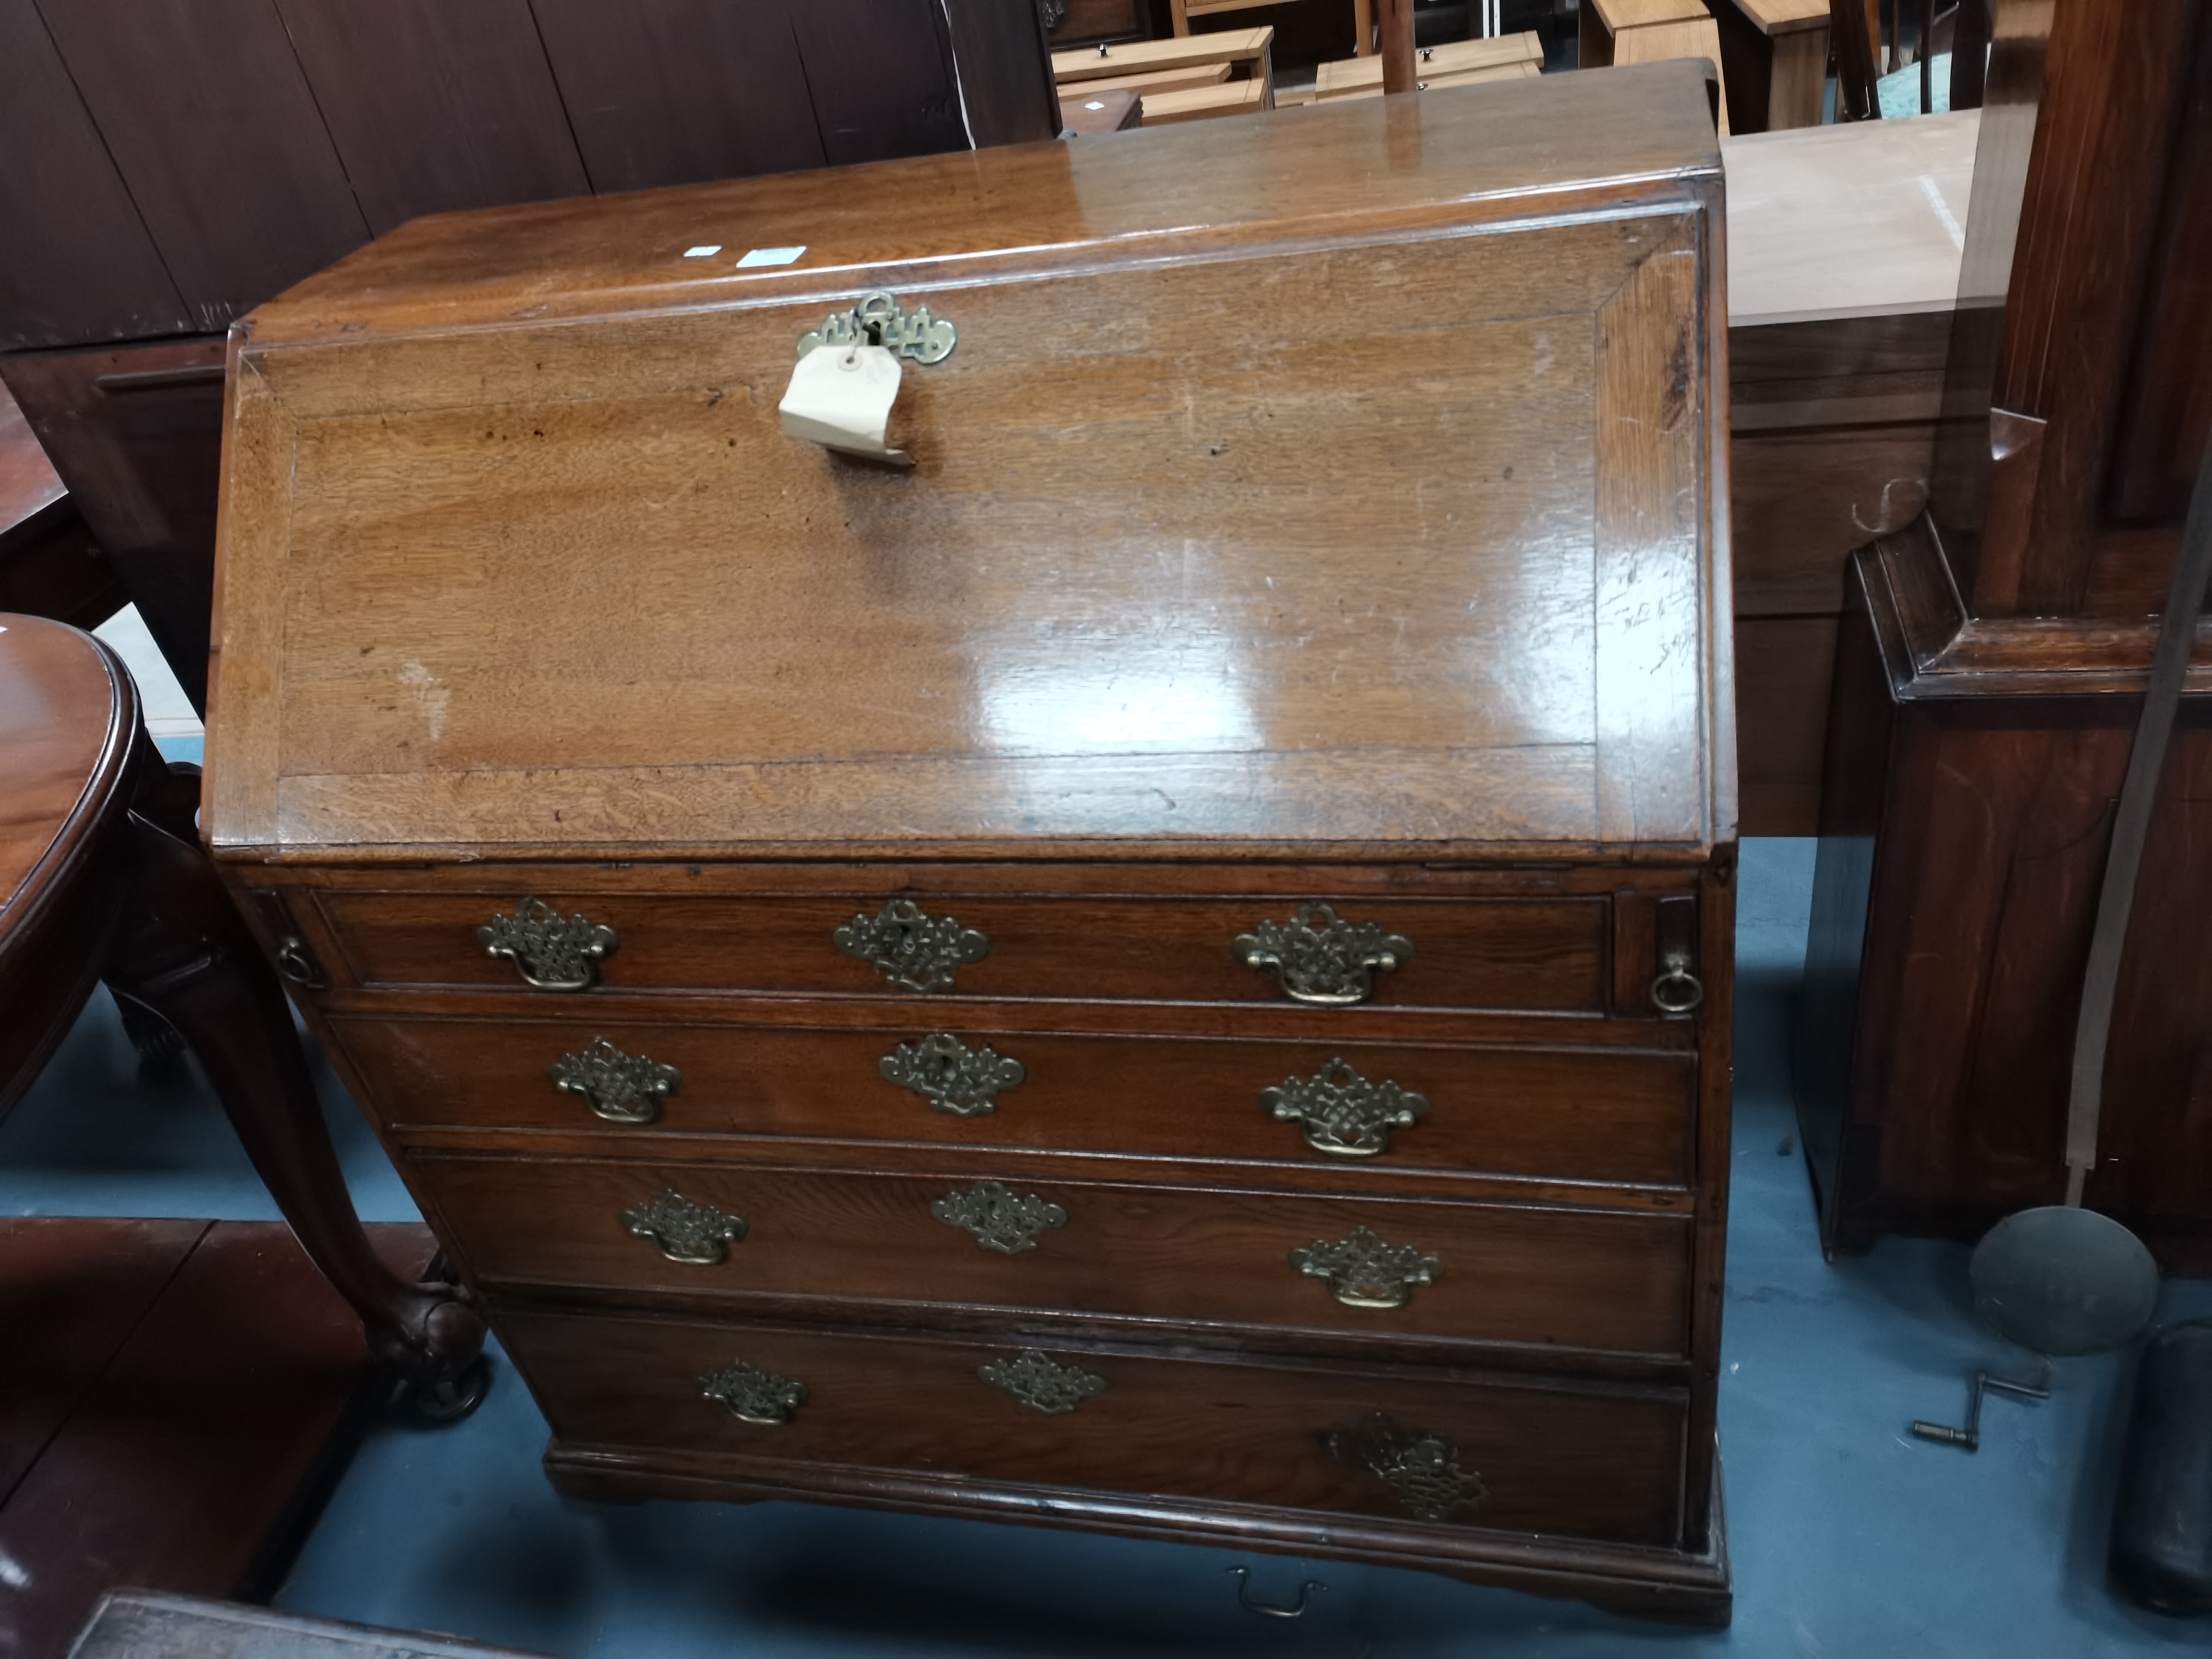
(619, 1087)
(1423, 1469)
(880, 319)
(1000, 1218)
(551, 951)
(1319, 958)
(1363, 1271)
(915, 950)
(754, 1395)
(1041, 1384)
(951, 1076)
(697, 1235)
(1342, 1112)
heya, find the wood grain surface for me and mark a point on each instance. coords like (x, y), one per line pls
(1577, 1114)
(1163, 1255)
(1009, 647)
(1591, 1462)
(72, 758)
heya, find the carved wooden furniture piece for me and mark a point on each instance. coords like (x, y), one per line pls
(1167, 969)
(102, 877)
(1990, 670)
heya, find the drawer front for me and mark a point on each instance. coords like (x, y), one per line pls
(1589, 1462)
(1588, 1115)
(1533, 954)
(1376, 1268)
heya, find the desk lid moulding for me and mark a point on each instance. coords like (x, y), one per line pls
(1214, 543)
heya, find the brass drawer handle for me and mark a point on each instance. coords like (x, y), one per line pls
(1421, 1468)
(1342, 1112)
(1000, 1220)
(551, 951)
(913, 950)
(619, 1087)
(754, 1395)
(1676, 991)
(697, 1235)
(951, 1076)
(1320, 957)
(1042, 1385)
(1363, 1271)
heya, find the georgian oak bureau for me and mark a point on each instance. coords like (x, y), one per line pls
(1166, 968)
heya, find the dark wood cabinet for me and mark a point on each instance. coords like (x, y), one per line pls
(1988, 675)
(1167, 967)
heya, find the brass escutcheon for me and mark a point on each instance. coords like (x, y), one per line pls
(912, 949)
(951, 1076)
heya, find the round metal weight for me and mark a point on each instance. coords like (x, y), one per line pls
(2062, 1281)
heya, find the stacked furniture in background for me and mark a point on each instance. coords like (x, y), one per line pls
(1457, 64)
(1624, 32)
(1191, 78)
(1168, 968)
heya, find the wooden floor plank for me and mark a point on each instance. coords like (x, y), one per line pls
(184, 1464)
(71, 1292)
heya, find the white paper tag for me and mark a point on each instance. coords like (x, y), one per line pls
(840, 396)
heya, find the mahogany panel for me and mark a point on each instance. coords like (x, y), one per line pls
(668, 92)
(135, 432)
(1782, 667)
(1500, 953)
(1157, 1253)
(1582, 1115)
(435, 106)
(881, 77)
(207, 114)
(1590, 1461)
(1804, 499)
(78, 264)
(1963, 843)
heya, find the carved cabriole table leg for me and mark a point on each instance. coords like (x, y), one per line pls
(182, 950)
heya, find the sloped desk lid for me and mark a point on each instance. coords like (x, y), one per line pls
(1345, 480)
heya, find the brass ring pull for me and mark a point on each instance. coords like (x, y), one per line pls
(1676, 991)
(298, 965)
(551, 951)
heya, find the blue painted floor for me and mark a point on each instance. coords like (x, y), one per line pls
(1849, 1537)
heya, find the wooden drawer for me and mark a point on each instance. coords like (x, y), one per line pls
(1593, 1115)
(1500, 1273)
(1527, 954)
(1591, 1462)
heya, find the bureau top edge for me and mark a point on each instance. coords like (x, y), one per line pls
(1443, 856)
(1531, 146)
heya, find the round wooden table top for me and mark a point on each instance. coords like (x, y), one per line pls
(68, 715)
